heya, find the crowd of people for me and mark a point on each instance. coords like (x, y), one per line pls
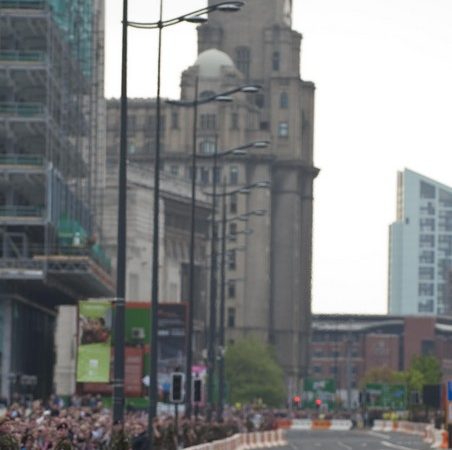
(85, 424)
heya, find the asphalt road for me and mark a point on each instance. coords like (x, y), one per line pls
(352, 440)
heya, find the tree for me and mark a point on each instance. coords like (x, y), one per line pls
(429, 367)
(252, 373)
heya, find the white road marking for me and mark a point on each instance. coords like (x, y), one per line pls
(380, 435)
(390, 444)
(347, 447)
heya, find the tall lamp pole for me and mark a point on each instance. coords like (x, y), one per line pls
(193, 17)
(222, 307)
(118, 368)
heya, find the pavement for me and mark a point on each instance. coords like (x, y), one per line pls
(352, 440)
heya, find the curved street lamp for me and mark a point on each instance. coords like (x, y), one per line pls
(118, 381)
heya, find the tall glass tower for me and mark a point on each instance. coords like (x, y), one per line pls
(420, 247)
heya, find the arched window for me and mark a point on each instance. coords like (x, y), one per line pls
(243, 60)
(283, 100)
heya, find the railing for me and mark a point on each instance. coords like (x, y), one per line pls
(21, 109)
(22, 211)
(23, 56)
(21, 160)
(27, 4)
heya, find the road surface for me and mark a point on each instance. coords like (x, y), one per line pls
(352, 440)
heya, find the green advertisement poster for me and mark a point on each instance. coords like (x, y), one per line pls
(93, 357)
(386, 396)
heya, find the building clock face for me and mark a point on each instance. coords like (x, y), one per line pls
(288, 12)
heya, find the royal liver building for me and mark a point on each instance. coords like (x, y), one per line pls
(269, 283)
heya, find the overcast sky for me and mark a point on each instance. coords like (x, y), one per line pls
(383, 75)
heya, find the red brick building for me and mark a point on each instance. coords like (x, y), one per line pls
(345, 347)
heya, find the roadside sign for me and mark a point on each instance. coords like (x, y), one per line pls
(449, 391)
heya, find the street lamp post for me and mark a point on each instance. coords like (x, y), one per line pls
(119, 327)
(193, 17)
(221, 97)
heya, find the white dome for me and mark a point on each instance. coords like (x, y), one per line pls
(211, 61)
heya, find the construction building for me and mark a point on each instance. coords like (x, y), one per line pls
(52, 172)
(268, 271)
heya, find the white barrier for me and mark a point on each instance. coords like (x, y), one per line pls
(307, 424)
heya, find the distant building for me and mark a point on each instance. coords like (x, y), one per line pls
(420, 247)
(268, 271)
(346, 347)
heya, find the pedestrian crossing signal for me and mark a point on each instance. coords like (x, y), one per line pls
(318, 403)
(197, 390)
(177, 387)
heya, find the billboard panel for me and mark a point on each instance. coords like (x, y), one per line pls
(94, 345)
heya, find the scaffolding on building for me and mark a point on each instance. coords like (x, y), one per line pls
(51, 148)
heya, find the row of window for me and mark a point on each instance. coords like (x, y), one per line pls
(206, 175)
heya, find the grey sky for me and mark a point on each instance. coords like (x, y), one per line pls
(383, 72)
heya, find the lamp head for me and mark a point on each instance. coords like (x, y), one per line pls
(224, 98)
(263, 184)
(196, 19)
(230, 7)
(261, 144)
(239, 152)
(244, 191)
(260, 212)
(252, 89)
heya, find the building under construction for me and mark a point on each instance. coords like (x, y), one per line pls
(52, 170)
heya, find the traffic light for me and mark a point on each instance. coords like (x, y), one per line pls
(296, 401)
(318, 403)
(177, 386)
(197, 390)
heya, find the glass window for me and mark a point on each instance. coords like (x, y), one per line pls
(235, 121)
(427, 190)
(427, 257)
(174, 170)
(174, 119)
(233, 231)
(231, 317)
(445, 198)
(427, 224)
(426, 273)
(283, 129)
(232, 261)
(425, 289)
(425, 306)
(233, 204)
(231, 289)
(217, 174)
(426, 240)
(275, 60)
(204, 175)
(233, 175)
(207, 147)
(283, 100)
(242, 60)
(208, 122)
